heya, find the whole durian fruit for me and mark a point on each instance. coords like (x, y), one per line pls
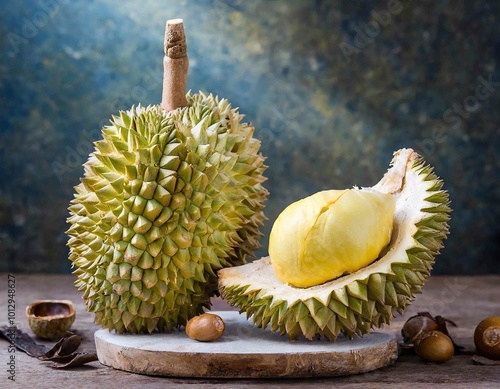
(167, 199)
(346, 261)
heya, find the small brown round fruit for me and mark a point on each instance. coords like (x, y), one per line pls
(205, 328)
(50, 319)
(487, 337)
(416, 326)
(434, 346)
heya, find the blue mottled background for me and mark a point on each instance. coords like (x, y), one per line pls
(333, 88)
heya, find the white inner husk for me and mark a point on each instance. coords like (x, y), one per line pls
(259, 274)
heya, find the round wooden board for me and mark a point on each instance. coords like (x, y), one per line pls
(244, 351)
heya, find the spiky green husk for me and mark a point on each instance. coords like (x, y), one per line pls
(370, 297)
(167, 199)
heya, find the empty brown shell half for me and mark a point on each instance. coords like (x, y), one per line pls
(50, 319)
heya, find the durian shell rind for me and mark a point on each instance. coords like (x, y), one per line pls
(167, 199)
(355, 303)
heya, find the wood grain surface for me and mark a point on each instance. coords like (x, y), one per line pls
(465, 300)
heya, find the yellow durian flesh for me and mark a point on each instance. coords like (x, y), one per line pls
(330, 233)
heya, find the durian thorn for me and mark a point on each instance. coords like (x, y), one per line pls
(175, 66)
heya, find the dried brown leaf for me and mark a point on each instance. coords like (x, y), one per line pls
(61, 358)
(68, 344)
(78, 360)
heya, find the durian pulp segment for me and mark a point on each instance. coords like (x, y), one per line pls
(167, 199)
(354, 303)
(330, 233)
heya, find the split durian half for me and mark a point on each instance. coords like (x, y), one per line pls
(167, 199)
(354, 303)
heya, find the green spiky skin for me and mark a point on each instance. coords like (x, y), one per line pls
(369, 298)
(167, 199)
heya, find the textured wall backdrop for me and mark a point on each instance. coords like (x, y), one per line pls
(333, 88)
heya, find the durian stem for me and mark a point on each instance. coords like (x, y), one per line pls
(175, 66)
